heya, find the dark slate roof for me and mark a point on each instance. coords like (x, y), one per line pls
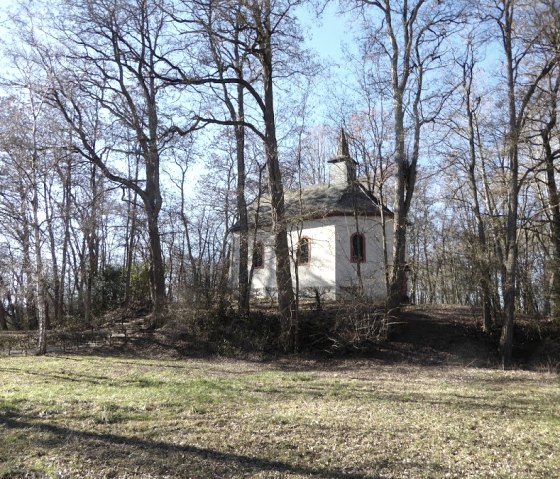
(320, 201)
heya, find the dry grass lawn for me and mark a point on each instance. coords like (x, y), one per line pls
(97, 417)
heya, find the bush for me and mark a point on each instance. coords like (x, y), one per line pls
(227, 332)
(352, 326)
(109, 290)
(333, 330)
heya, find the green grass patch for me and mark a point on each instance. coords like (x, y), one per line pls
(94, 417)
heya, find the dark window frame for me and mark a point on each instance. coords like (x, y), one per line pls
(355, 257)
(307, 241)
(258, 247)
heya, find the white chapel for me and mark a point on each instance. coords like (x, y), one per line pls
(335, 233)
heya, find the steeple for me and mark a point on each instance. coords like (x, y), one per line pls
(343, 168)
(342, 150)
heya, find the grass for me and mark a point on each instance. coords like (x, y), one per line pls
(95, 417)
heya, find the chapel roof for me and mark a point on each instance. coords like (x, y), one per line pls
(344, 195)
(320, 201)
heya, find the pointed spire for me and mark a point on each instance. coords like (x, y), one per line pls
(342, 171)
(342, 150)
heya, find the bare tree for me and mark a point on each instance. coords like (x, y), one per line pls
(225, 43)
(108, 93)
(466, 152)
(271, 39)
(27, 154)
(410, 36)
(519, 47)
(545, 152)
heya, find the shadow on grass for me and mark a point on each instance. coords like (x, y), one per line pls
(67, 377)
(212, 458)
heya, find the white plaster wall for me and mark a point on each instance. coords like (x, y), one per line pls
(319, 273)
(264, 279)
(372, 269)
(329, 239)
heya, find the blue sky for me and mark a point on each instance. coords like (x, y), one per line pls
(326, 34)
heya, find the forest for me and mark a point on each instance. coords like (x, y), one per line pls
(136, 133)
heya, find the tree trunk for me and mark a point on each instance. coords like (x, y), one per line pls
(3, 322)
(29, 319)
(157, 271)
(92, 249)
(286, 299)
(398, 272)
(152, 203)
(511, 249)
(553, 201)
(517, 115)
(481, 257)
(555, 228)
(38, 273)
(244, 287)
(53, 251)
(66, 217)
(131, 228)
(236, 108)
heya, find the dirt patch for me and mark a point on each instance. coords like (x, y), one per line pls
(440, 335)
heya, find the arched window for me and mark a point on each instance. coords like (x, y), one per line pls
(304, 251)
(357, 248)
(258, 255)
